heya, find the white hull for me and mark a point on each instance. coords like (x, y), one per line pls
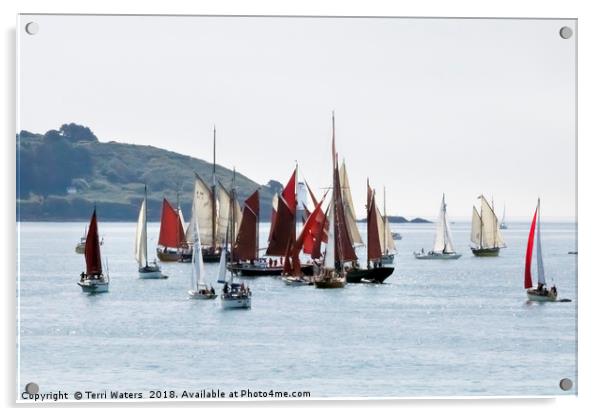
(540, 297)
(236, 302)
(437, 256)
(296, 281)
(151, 272)
(94, 285)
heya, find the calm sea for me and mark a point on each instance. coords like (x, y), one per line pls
(435, 328)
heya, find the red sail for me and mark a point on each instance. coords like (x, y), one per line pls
(289, 192)
(344, 250)
(245, 247)
(283, 230)
(312, 233)
(374, 249)
(92, 249)
(529, 254)
(171, 233)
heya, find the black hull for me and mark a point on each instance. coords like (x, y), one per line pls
(486, 252)
(257, 271)
(376, 275)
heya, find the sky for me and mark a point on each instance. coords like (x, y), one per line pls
(423, 106)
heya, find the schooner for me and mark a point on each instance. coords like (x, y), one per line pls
(485, 232)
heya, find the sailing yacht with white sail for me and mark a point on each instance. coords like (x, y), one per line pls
(93, 280)
(540, 293)
(443, 248)
(485, 232)
(503, 225)
(145, 270)
(200, 288)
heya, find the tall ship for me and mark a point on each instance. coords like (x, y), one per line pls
(172, 239)
(485, 231)
(339, 247)
(377, 236)
(210, 215)
(443, 248)
(93, 280)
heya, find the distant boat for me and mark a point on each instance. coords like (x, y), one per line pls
(211, 215)
(396, 236)
(145, 270)
(234, 295)
(485, 231)
(200, 288)
(378, 241)
(80, 247)
(171, 234)
(443, 248)
(93, 280)
(503, 225)
(540, 293)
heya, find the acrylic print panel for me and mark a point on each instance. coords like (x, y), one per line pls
(166, 126)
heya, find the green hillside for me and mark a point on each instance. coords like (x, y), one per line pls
(61, 175)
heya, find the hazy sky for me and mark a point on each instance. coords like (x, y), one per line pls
(423, 106)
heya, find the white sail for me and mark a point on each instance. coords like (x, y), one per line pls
(201, 214)
(237, 217)
(443, 241)
(541, 278)
(221, 272)
(381, 226)
(329, 255)
(223, 213)
(181, 215)
(490, 226)
(439, 246)
(389, 242)
(198, 269)
(350, 217)
(140, 244)
(475, 232)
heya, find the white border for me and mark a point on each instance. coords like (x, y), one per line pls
(589, 170)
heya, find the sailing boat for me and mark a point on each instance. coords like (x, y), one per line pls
(389, 250)
(339, 247)
(443, 248)
(171, 234)
(234, 295)
(485, 232)
(540, 293)
(145, 270)
(200, 289)
(211, 214)
(93, 280)
(503, 225)
(374, 272)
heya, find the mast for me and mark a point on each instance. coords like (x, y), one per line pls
(213, 201)
(145, 229)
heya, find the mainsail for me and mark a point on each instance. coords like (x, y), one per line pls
(140, 249)
(443, 241)
(171, 233)
(475, 232)
(485, 228)
(540, 272)
(375, 226)
(246, 247)
(201, 216)
(388, 244)
(329, 254)
(92, 249)
(282, 232)
(529, 253)
(347, 200)
(198, 269)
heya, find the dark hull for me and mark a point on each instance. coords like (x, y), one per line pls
(486, 252)
(209, 256)
(256, 271)
(168, 255)
(376, 275)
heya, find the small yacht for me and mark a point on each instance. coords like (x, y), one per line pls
(93, 280)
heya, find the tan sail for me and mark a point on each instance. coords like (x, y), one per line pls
(475, 233)
(200, 217)
(490, 226)
(350, 217)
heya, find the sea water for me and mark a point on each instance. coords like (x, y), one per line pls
(435, 328)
